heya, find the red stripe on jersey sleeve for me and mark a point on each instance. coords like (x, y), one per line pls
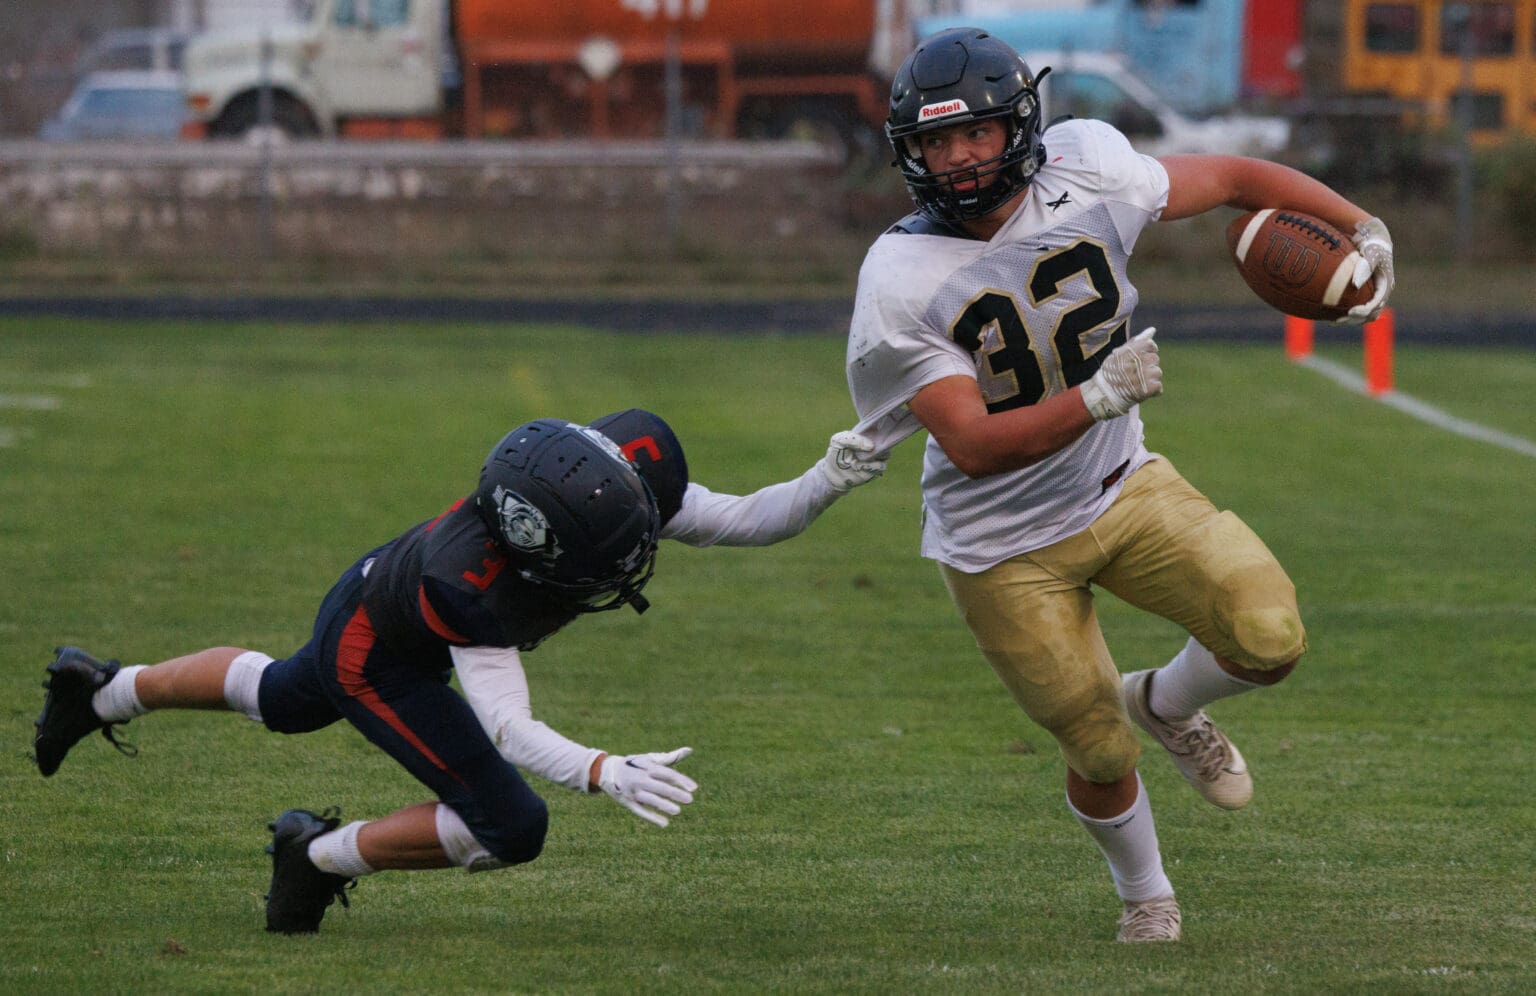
(435, 621)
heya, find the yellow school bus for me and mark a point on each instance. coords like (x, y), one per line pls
(1442, 59)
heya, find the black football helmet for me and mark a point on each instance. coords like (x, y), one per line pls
(571, 514)
(649, 443)
(958, 75)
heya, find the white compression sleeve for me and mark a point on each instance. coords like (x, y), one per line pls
(766, 516)
(497, 690)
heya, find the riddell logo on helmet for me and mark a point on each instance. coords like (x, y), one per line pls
(943, 110)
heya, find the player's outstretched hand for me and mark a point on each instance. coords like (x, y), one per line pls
(1375, 244)
(851, 461)
(1130, 375)
(647, 785)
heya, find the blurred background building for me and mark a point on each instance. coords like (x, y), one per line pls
(1422, 97)
(763, 68)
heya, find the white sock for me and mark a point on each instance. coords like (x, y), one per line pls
(118, 700)
(1129, 844)
(1190, 682)
(336, 852)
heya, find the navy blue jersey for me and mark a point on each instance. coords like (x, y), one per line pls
(444, 583)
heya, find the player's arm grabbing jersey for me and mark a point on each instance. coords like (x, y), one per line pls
(1029, 314)
(693, 514)
(768, 515)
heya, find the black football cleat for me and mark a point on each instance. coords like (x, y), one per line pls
(73, 677)
(300, 892)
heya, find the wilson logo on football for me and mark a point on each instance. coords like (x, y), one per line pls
(1288, 261)
(943, 110)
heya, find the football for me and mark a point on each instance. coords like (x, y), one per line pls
(1297, 263)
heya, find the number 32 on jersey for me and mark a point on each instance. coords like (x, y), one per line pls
(994, 327)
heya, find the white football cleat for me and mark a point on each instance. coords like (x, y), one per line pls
(1151, 920)
(1206, 758)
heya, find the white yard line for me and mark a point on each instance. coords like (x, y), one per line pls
(1420, 410)
(31, 402)
(28, 378)
(10, 438)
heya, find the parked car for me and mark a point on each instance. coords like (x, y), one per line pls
(134, 48)
(120, 104)
(1101, 85)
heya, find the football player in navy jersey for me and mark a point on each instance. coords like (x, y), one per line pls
(997, 317)
(564, 521)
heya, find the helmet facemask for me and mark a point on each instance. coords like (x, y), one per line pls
(605, 594)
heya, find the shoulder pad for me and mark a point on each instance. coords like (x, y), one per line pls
(918, 223)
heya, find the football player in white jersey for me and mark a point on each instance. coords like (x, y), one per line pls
(998, 318)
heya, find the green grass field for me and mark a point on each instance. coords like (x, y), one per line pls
(875, 813)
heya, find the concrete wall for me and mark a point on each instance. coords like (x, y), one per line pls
(185, 204)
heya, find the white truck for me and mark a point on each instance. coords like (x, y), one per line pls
(341, 61)
(1100, 85)
(552, 69)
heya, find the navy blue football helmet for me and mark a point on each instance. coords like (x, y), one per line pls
(571, 514)
(650, 444)
(955, 76)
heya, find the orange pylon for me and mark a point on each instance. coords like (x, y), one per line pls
(1298, 337)
(1378, 353)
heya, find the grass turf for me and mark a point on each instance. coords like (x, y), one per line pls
(876, 815)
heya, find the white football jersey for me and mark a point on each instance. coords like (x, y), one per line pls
(1028, 314)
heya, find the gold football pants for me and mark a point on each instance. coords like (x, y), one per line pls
(1163, 547)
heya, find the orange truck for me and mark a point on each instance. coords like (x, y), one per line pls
(553, 69)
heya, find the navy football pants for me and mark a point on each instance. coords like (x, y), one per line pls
(410, 712)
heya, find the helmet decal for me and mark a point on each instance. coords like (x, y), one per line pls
(523, 526)
(943, 110)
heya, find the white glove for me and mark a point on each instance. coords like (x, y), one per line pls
(646, 785)
(1375, 244)
(1130, 375)
(850, 461)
